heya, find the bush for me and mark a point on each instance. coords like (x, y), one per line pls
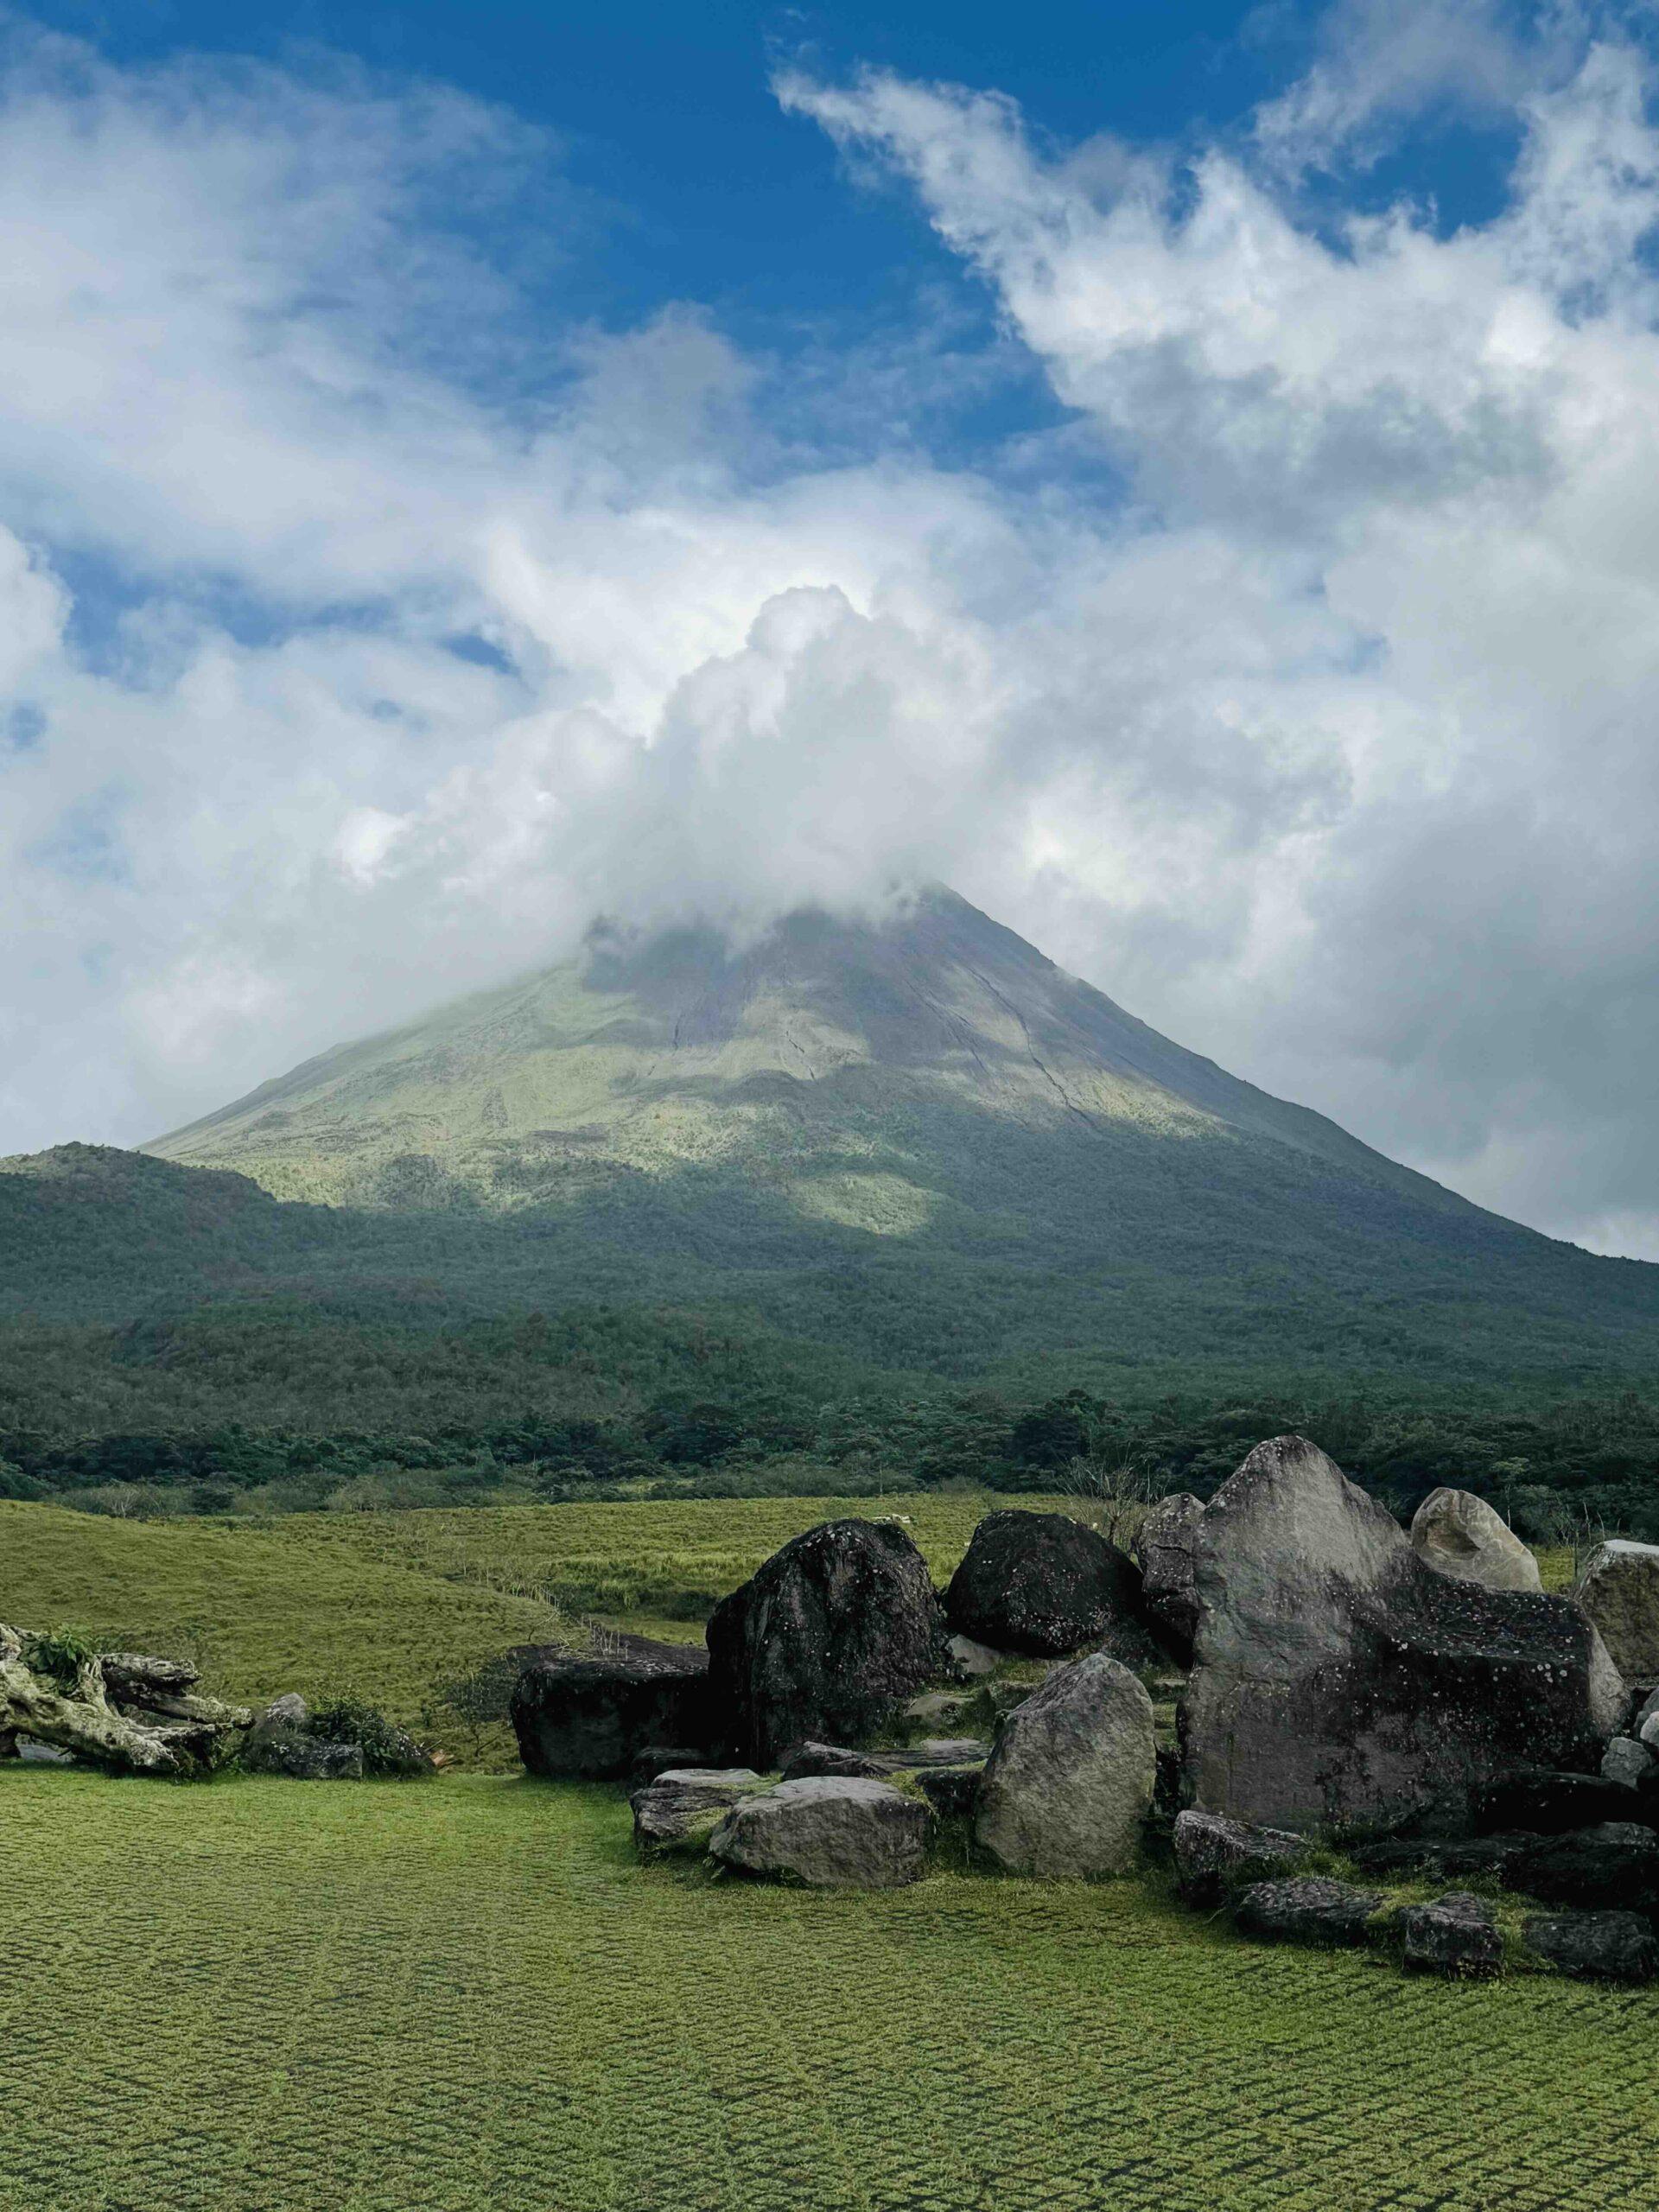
(386, 1749)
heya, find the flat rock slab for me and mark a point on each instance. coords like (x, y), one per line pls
(810, 1759)
(682, 1805)
(1614, 1866)
(827, 1833)
(1214, 1854)
(1594, 1946)
(1456, 1935)
(1309, 1908)
(1543, 1802)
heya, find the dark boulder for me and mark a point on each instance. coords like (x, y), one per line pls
(1165, 1546)
(1453, 1859)
(1594, 1946)
(1615, 1866)
(662, 1759)
(1044, 1585)
(1456, 1935)
(951, 1790)
(1341, 1682)
(826, 1642)
(1309, 1908)
(1549, 1802)
(591, 1718)
(1214, 1854)
(300, 1757)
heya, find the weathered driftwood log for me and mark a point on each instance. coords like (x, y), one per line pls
(168, 1733)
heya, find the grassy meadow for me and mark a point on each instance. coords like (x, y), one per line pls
(258, 1996)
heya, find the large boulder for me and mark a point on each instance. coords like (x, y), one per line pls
(590, 1718)
(1618, 1588)
(1070, 1778)
(1165, 1545)
(826, 1641)
(828, 1833)
(1045, 1584)
(1461, 1536)
(1339, 1682)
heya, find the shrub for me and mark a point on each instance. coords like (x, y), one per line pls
(387, 1749)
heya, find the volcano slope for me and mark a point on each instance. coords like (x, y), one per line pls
(910, 1144)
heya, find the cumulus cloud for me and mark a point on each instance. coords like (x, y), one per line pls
(358, 645)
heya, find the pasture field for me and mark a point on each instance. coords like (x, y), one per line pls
(258, 1996)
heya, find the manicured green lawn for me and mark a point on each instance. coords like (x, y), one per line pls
(258, 1996)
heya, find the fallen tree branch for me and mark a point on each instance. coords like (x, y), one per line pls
(88, 1722)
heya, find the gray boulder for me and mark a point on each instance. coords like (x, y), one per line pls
(1165, 1545)
(683, 1805)
(1339, 1682)
(1309, 1908)
(1594, 1946)
(808, 1761)
(591, 1718)
(828, 1833)
(1627, 1762)
(1456, 1935)
(280, 1718)
(1045, 1584)
(1069, 1779)
(826, 1641)
(1461, 1536)
(1214, 1854)
(1618, 1588)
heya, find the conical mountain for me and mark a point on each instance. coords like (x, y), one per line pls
(851, 1066)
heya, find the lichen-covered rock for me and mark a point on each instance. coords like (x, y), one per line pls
(1594, 1946)
(1069, 1781)
(1339, 1682)
(1614, 1866)
(590, 1718)
(1045, 1584)
(1461, 1536)
(1165, 1545)
(1214, 1854)
(1455, 1936)
(682, 1805)
(1309, 1908)
(828, 1833)
(826, 1641)
(1619, 1589)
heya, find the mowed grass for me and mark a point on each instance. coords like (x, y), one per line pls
(466, 1997)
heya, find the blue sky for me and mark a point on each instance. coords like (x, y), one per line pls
(1188, 478)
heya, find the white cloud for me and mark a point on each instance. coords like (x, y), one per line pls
(1328, 749)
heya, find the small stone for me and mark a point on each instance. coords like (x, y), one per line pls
(302, 1758)
(971, 1660)
(1626, 1762)
(934, 1706)
(1455, 1936)
(1309, 1908)
(1594, 1946)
